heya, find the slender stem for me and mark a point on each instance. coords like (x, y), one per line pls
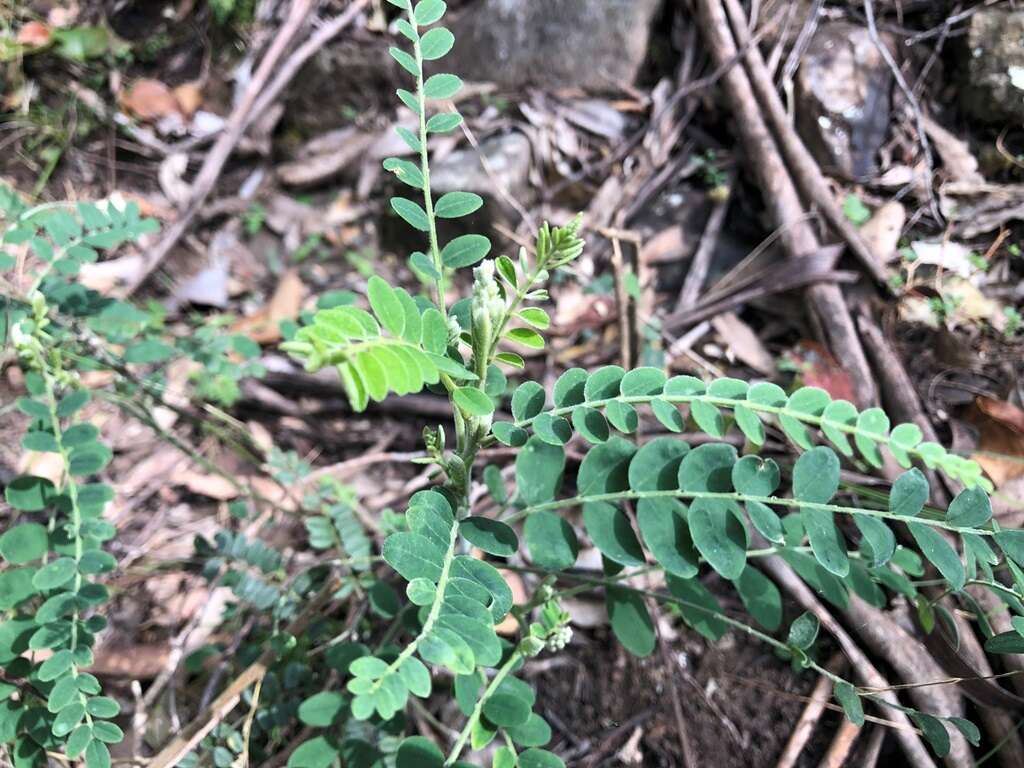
(478, 710)
(71, 488)
(428, 201)
(740, 497)
(528, 284)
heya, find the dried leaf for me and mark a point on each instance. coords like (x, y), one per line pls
(263, 327)
(149, 99)
(818, 368)
(1001, 431)
(35, 34)
(189, 97)
(956, 156)
(743, 342)
(201, 484)
(950, 256)
(882, 231)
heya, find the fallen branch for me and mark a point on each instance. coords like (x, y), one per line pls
(917, 754)
(798, 238)
(805, 171)
(255, 100)
(207, 720)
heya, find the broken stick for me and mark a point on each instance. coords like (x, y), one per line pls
(798, 237)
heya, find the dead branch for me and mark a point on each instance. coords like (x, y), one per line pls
(805, 171)
(866, 672)
(254, 101)
(816, 705)
(780, 195)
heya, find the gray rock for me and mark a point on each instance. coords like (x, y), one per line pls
(590, 44)
(843, 99)
(995, 49)
(507, 157)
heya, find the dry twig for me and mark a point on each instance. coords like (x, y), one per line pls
(799, 240)
(912, 102)
(816, 705)
(255, 100)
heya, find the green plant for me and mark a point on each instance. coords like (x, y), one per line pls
(1013, 322)
(693, 508)
(52, 544)
(855, 210)
(335, 683)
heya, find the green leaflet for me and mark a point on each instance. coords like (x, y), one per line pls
(612, 534)
(970, 509)
(816, 476)
(940, 553)
(873, 426)
(848, 699)
(663, 527)
(492, 536)
(761, 597)
(698, 607)
(909, 494)
(630, 621)
(436, 43)
(826, 541)
(550, 541)
(465, 250)
(605, 468)
(756, 476)
(457, 204)
(803, 631)
(719, 535)
(880, 540)
(473, 401)
(24, 543)
(539, 468)
(807, 401)
(707, 468)
(442, 86)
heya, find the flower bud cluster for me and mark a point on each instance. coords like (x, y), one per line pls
(559, 638)
(487, 304)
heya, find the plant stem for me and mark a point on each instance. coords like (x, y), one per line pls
(478, 710)
(71, 488)
(740, 497)
(428, 201)
(731, 403)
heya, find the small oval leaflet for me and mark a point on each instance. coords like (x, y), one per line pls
(492, 536)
